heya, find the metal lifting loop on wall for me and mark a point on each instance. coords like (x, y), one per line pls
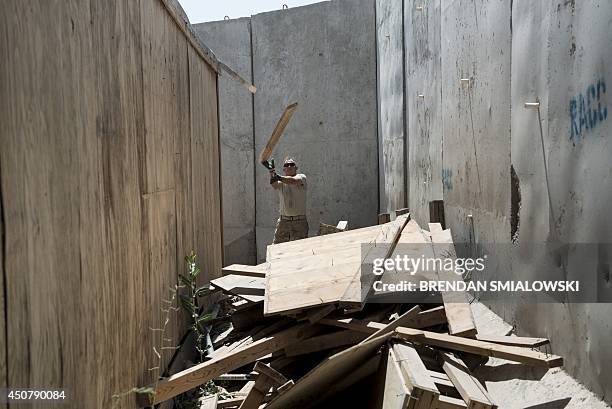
(226, 18)
(285, 7)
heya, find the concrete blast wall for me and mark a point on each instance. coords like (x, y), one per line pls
(322, 56)
(561, 55)
(391, 126)
(423, 107)
(232, 41)
(474, 144)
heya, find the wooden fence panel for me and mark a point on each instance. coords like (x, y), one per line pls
(109, 176)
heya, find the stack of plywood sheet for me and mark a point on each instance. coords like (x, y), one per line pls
(304, 335)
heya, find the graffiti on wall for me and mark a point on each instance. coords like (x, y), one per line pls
(447, 179)
(587, 110)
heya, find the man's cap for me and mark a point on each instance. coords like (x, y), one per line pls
(289, 160)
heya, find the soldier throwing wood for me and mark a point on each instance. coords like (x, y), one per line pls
(292, 223)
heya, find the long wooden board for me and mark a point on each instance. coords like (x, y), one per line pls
(245, 270)
(396, 394)
(308, 390)
(202, 373)
(473, 346)
(470, 388)
(322, 270)
(422, 388)
(404, 319)
(250, 288)
(456, 303)
(423, 319)
(526, 342)
(278, 131)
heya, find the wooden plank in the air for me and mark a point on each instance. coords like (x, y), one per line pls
(278, 131)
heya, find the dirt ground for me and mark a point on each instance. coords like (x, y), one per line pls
(514, 386)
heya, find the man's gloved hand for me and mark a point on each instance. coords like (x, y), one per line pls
(274, 178)
(269, 164)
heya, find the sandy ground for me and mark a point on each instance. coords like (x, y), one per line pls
(514, 386)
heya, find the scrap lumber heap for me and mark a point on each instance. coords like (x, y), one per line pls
(302, 335)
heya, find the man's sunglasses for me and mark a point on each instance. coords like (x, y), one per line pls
(288, 165)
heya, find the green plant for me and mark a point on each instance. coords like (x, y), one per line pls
(191, 306)
(189, 302)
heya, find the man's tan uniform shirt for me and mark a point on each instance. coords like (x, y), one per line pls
(293, 198)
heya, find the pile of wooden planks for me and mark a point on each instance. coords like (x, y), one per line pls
(303, 335)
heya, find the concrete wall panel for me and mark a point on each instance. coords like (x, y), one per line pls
(476, 44)
(231, 42)
(322, 56)
(423, 104)
(560, 54)
(390, 76)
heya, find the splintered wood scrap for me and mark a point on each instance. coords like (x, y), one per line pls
(327, 229)
(229, 403)
(404, 319)
(447, 402)
(510, 353)
(416, 377)
(266, 379)
(435, 227)
(285, 387)
(396, 393)
(199, 374)
(429, 318)
(209, 402)
(456, 303)
(250, 288)
(245, 270)
(471, 390)
(245, 390)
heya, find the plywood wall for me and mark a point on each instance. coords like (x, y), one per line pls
(109, 171)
